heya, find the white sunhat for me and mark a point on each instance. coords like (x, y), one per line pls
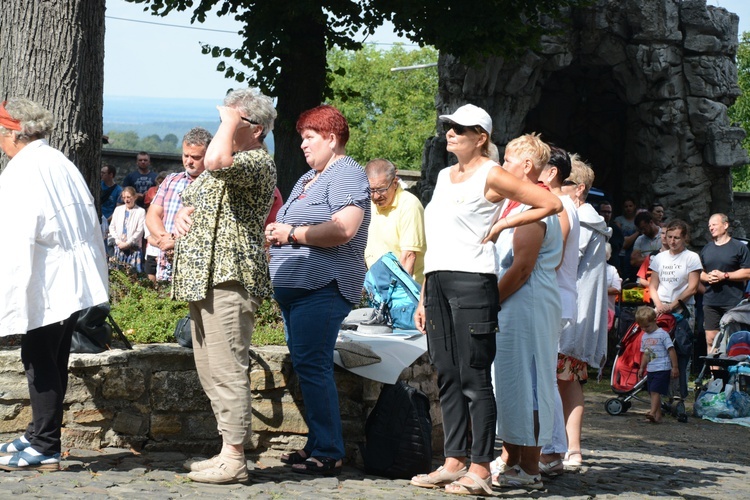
(469, 115)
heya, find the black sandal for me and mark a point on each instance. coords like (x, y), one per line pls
(295, 457)
(327, 467)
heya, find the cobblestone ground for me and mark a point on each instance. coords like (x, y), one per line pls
(625, 457)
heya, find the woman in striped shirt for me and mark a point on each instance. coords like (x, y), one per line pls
(318, 268)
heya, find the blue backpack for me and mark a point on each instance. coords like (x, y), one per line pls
(392, 290)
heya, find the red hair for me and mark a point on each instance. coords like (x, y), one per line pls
(325, 120)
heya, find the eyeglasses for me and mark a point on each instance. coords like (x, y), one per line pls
(248, 120)
(569, 183)
(382, 191)
(458, 129)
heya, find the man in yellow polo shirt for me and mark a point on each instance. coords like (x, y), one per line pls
(397, 223)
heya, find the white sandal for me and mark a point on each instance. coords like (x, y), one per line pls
(572, 465)
(442, 478)
(481, 486)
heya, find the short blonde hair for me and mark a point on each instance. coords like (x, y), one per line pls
(581, 172)
(531, 146)
(645, 315)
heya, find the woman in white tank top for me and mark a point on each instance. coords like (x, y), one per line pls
(459, 304)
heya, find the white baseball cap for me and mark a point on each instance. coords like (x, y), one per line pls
(469, 115)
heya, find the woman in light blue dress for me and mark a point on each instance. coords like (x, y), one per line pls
(528, 324)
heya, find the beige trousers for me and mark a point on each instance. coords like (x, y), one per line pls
(222, 327)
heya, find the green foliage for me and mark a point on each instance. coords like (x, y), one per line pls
(390, 114)
(129, 140)
(740, 111)
(145, 313)
(148, 315)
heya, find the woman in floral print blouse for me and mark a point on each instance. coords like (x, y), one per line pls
(221, 269)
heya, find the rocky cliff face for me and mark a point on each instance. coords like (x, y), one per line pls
(638, 88)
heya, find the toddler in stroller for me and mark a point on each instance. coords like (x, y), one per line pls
(625, 381)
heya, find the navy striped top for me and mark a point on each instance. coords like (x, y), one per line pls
(342, 184)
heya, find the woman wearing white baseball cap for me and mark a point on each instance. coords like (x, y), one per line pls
(459, 303)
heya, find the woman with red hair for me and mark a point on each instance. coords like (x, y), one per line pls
(317, 268)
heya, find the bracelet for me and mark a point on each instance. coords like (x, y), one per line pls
(726, 276)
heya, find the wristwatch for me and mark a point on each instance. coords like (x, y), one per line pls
(292, 240)
(726, 276)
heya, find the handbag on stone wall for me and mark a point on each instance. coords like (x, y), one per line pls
(182, 332)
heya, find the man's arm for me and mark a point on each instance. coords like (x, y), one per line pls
(155, 224)
(407, 260)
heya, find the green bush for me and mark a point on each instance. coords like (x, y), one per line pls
(148, 315)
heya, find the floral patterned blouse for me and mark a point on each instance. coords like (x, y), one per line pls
(225, 242)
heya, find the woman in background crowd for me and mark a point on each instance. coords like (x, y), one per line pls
(127, 230)
(586, 344)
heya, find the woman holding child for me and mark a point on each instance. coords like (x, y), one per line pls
(460, 301)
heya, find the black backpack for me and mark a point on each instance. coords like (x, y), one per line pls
(399, 433)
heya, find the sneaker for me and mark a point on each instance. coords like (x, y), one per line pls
(30, 459)
(519, 478)
(199, 464)
(223, 472)
(18, 444)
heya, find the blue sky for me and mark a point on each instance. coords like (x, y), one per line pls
(151, 59)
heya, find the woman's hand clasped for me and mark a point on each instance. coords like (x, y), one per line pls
(277, 233)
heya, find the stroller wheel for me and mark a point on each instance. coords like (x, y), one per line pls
(614, 406)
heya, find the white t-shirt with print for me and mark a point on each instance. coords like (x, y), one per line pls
(657, 344)
(673, 271)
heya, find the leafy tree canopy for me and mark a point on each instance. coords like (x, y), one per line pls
(740, 111)
(390, 114)
(286, 42)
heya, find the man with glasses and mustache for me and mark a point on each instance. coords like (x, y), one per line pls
(397, 223)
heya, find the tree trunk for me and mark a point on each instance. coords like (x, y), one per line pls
(299, 87)
(53, 53)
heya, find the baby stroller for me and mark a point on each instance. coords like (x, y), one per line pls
(624, 380)
(729, 360)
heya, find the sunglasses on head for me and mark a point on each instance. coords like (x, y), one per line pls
(458, 129)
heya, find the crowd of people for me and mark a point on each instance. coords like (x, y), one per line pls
(519, 278)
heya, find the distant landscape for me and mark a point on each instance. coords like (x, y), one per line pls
(148, 116)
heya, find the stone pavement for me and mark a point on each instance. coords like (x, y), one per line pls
(625, 458)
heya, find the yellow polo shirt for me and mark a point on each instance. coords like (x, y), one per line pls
(396, 228)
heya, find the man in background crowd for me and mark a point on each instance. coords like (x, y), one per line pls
(142, 178)
(168, 200)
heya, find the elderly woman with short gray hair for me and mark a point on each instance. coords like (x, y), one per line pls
(221, 270)
(53, 266)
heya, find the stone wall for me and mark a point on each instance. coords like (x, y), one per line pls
(639, 88)
(150, 398)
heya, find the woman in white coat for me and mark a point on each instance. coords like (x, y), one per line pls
(53, 266)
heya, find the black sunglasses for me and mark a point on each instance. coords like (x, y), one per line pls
(458, 129)
(248, 120)
(569, 183)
